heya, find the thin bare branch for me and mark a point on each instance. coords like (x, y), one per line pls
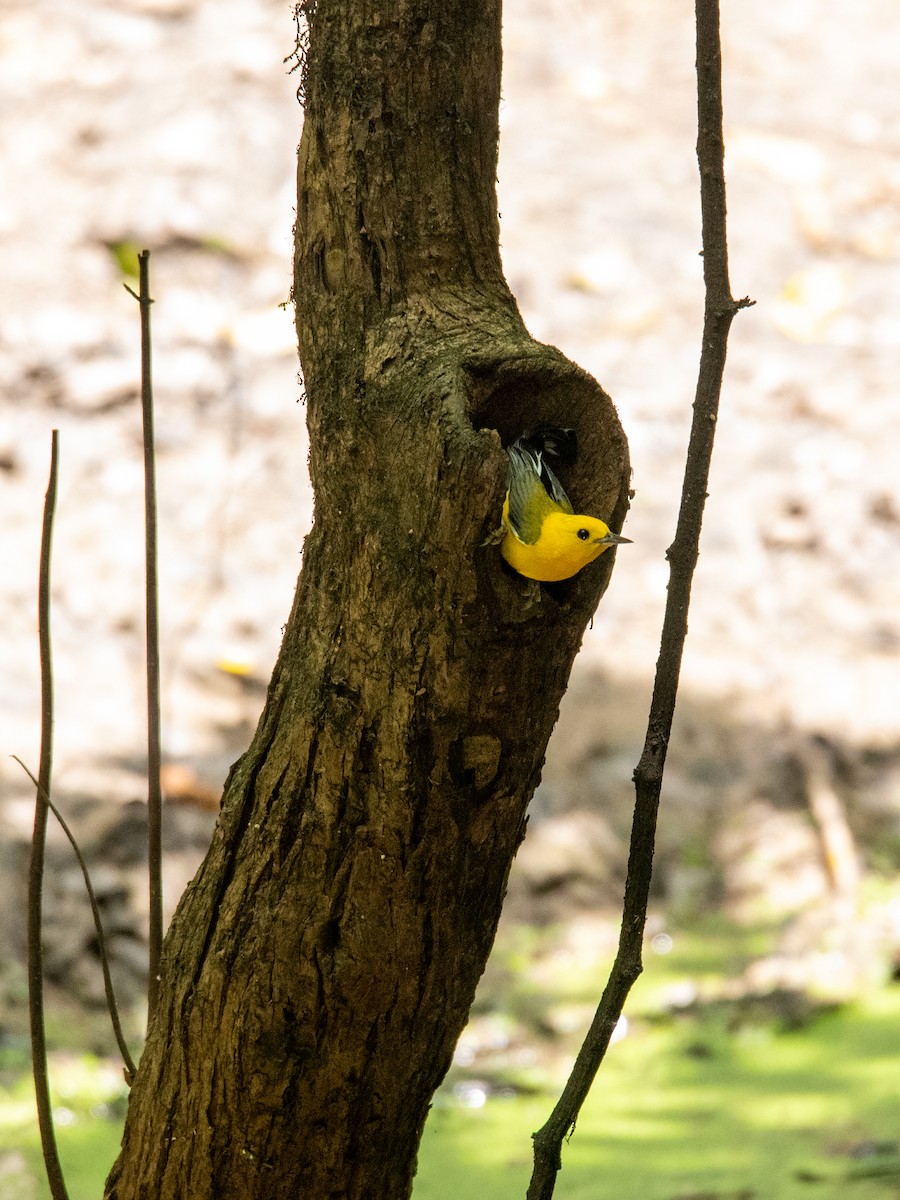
(38, 847)
(154, 757)
(720, 309)
(98, 926)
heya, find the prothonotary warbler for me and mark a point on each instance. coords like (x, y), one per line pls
(543, 537)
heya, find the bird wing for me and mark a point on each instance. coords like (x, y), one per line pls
(555, 488)
(534, 492)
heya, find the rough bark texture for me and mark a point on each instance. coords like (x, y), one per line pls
(322, 963)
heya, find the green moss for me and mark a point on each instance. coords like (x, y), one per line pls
(89, 1106)
(684, 1106)
(691, 1107)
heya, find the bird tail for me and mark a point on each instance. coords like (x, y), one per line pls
(553, 441)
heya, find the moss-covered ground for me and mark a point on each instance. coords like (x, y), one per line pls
(719, 1099)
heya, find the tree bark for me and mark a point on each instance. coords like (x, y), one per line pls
(322, 963)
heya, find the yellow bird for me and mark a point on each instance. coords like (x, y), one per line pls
(543, 537)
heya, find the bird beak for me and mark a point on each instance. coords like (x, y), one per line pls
(612, 539)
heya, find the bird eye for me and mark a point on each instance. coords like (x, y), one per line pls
(583, 535)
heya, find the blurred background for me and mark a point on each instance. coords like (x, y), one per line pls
(760, 1052)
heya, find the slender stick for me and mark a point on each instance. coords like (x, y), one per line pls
(154, 758)
(720, 309)
(98, 926)
(38, 847)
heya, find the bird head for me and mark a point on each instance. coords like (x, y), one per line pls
(594, 535)
(568, 542)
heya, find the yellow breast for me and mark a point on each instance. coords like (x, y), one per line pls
(566, 544)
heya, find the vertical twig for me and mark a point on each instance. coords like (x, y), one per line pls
(111, 1004)
(38, 846)
(720, 308)
(154, 786)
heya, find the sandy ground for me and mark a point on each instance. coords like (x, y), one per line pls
(173, 124)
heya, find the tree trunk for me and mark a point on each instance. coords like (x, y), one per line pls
(322, 963)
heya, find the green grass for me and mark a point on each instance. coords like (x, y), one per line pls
(685, 1106)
